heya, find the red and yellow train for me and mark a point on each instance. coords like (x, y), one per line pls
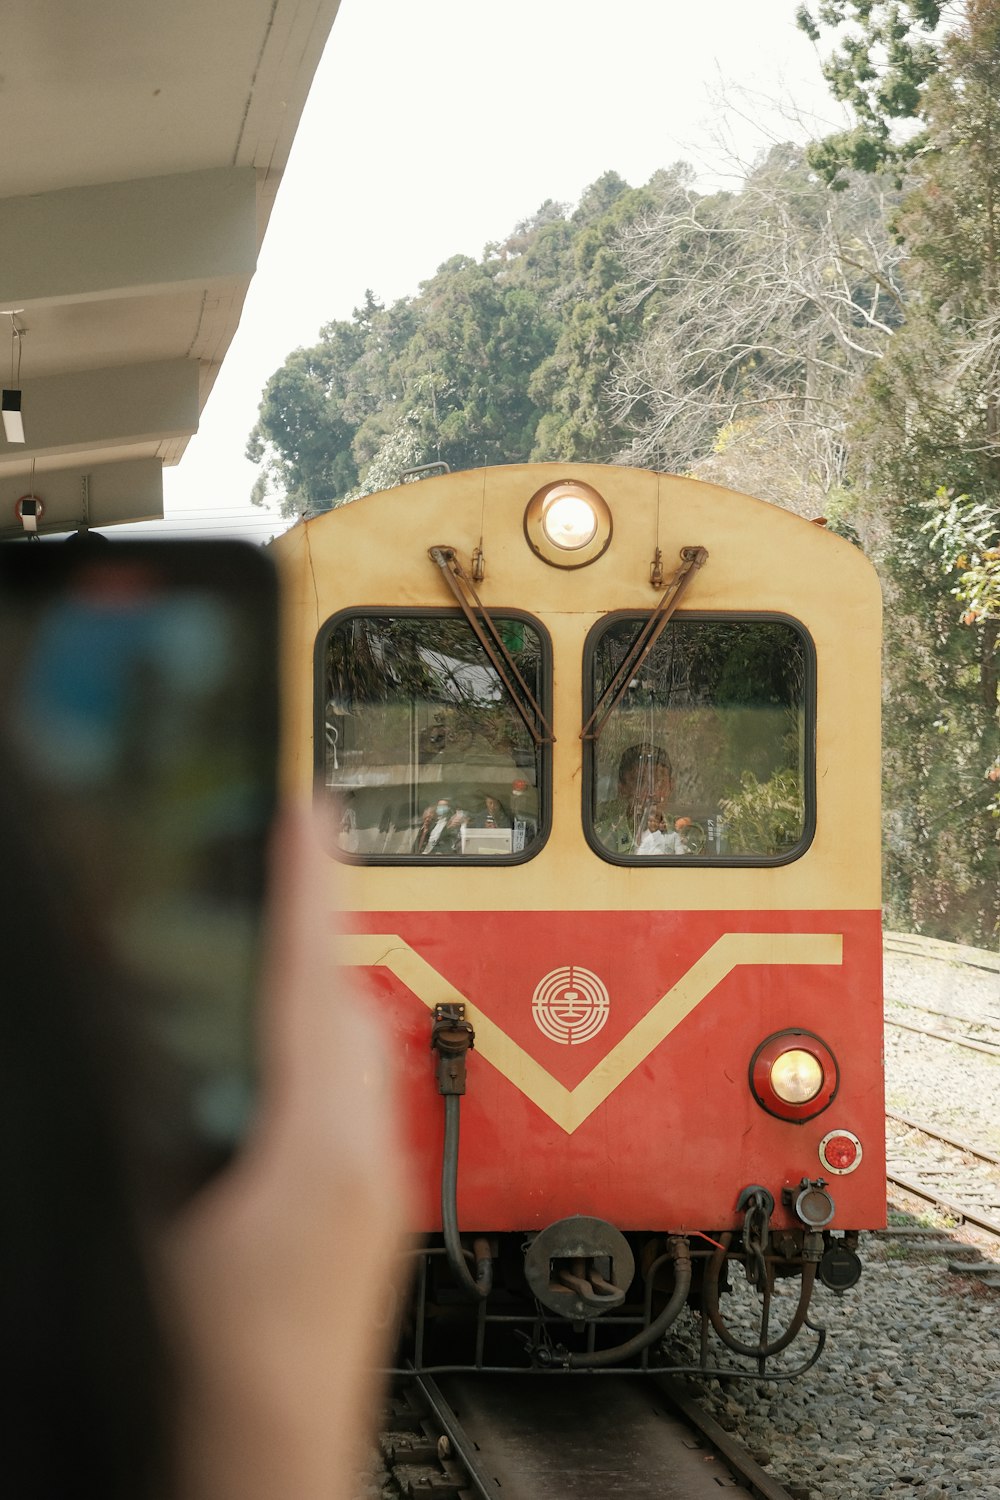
(602, 749)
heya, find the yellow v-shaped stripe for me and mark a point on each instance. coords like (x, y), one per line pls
(569, 1108)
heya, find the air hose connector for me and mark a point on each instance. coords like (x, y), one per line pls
(452, 1038)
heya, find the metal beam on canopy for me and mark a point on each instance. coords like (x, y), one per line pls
(143, 148)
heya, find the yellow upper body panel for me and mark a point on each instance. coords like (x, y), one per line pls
(374, 553)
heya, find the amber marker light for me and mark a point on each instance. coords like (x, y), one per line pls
(794, 1076)
(568, 524)
(840, 1151)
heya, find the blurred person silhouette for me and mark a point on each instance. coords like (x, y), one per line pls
(219, 1349)
(89, 1398)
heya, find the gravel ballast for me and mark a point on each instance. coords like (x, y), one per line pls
(906, 1400)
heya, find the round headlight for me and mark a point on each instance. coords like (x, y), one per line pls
(796, 1076)
(568, 524)
(569, 521)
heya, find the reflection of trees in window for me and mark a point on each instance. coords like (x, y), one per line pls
(712, 662)
(725, 699)
(413, 710)
(382, 665)
(765, 817)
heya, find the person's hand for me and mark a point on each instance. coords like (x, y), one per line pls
(280, 1274)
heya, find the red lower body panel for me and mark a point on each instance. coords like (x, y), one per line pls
(610, 1075)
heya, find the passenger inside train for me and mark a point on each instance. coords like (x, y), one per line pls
(635, 816)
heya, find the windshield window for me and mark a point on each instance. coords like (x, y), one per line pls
(422, 744)
(707, 754)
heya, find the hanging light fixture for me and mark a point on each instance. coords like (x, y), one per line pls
(10, 402)
(13, 423)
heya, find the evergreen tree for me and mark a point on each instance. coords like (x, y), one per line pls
(880, 67)
(494, 361)
(574, 387)
(926, 444)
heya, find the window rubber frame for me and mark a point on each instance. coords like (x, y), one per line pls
(703, 861)
(544, 762)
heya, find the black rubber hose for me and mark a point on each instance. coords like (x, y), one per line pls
(482, 1284)
(711, 1298)
(648, 1336)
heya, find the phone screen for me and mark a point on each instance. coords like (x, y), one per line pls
(138, 692)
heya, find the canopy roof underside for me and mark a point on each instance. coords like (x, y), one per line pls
(144, 144)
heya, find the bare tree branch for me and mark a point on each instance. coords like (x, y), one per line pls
(764, 306)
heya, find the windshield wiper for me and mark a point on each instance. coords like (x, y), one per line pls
(692, 558)
(493, 643)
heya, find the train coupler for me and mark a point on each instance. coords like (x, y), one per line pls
(579, 1267)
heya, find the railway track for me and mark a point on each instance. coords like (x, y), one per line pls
(957, 1039)
(911, 944)
(929, 1162)
(970, 1019)
(564, 1438)
(934, 1134)
(962, 1182)
(919, 1239)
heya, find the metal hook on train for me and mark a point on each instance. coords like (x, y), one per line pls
(759, 1206)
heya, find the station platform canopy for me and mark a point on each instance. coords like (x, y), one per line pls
(143, 144)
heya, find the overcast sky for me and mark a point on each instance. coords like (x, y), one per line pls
(433, 126)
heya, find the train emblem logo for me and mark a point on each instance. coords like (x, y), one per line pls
(570, 1005)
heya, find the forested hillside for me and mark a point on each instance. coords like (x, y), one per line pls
(827, 337)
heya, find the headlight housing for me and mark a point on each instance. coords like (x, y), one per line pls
(568, 524)
(794, 1075)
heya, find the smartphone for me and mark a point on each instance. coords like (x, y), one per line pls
(139, 696)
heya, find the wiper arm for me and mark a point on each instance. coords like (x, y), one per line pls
(492, 642)
(692, 558)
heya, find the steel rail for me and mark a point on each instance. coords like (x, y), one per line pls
(937, 1135)
(945, 1036)
(912, 945)
(522, 1438)
(957, 1211)
(733, 1453)
(462, 1447)
(990, 1024)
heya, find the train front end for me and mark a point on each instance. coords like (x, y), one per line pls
(599, 752)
